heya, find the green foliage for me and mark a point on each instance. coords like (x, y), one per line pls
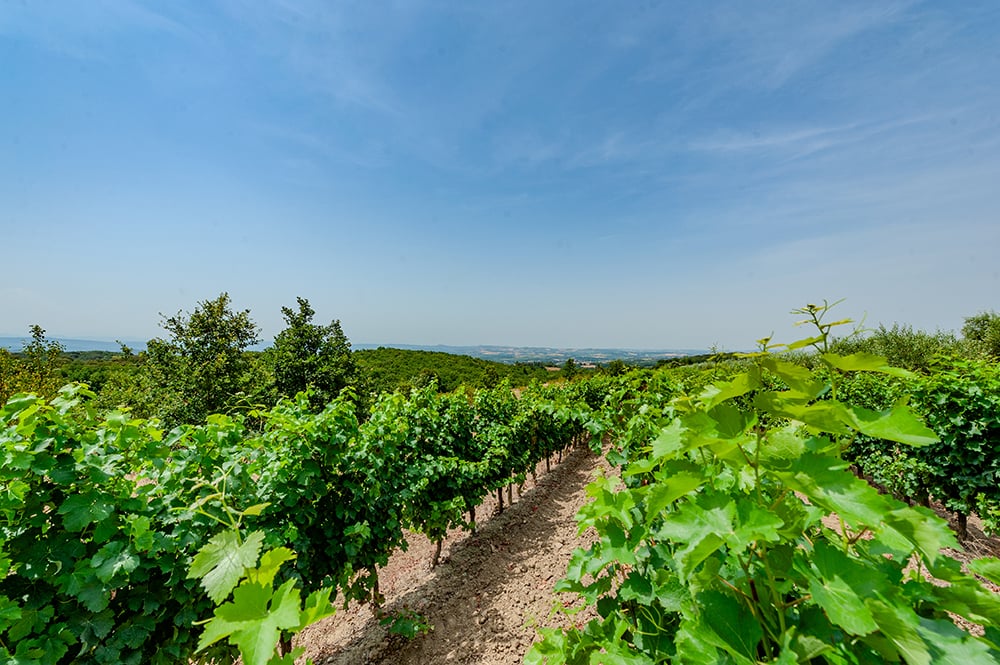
(35, 369)
(615, 367)
(901, 346)
(697, 359)
(204, 358)
(201, 369)
(386, 369)
(407, 623)
(740, 536)
(90, 544)
(258, 615)
(335, 492)
(96, 368)
(982, 334)
(10, 371)
(102, 519)
(307, 356)
(961, 402)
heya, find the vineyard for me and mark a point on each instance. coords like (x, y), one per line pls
(768, 510)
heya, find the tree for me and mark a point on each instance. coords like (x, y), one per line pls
(307, 355)
(569, 368)
(616, 367)
(9, 375)
(982, 334)
(202, 368)
(901, 345)
(491, 377)
(35, 371)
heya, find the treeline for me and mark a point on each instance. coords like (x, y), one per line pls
(388, 369)
(204, 364)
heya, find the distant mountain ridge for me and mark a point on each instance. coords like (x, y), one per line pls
(69, 344)
(504, 354)
(547, 354)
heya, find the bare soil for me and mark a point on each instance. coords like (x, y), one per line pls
(491, 590)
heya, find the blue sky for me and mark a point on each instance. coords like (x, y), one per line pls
(644, 174)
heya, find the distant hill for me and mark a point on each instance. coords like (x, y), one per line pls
(548, 355)
(389, 368)
(502, 354)
(17, 343)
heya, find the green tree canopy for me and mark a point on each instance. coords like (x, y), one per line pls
(202, 368)
(308, 355)
(982, 334)
(901, 345)
(615, 367)
(34, 370)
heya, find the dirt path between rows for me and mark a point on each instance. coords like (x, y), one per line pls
(495, 588)
(491, 590)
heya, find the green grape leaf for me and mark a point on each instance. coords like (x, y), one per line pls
(317, 607)
(925, 530)
(255, 509)
(715, 394)
(80, 510)
(988, 567)
(826, 483)
(95, 597)
(840, 590)
(637, 587)
(900, 624)
(112, 559)
(966, 597)
(808, 647)
(895, 424)
(951, 646)
(844, 607)
(9, 612)
(670, 440)
(694, 644)
(222, 561)
(730, 422)
(797, 377)
(270, 562)
(665, 492)
(699, 529)
(731, 624)
(254, 619)
(781, 447)
(803, 343)
(824, 416)
(754, 523)
(865, 362)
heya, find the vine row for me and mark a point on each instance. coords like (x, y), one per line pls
(101, 517)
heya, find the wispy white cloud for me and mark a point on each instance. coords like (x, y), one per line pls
(330, 49)
(803, 141)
